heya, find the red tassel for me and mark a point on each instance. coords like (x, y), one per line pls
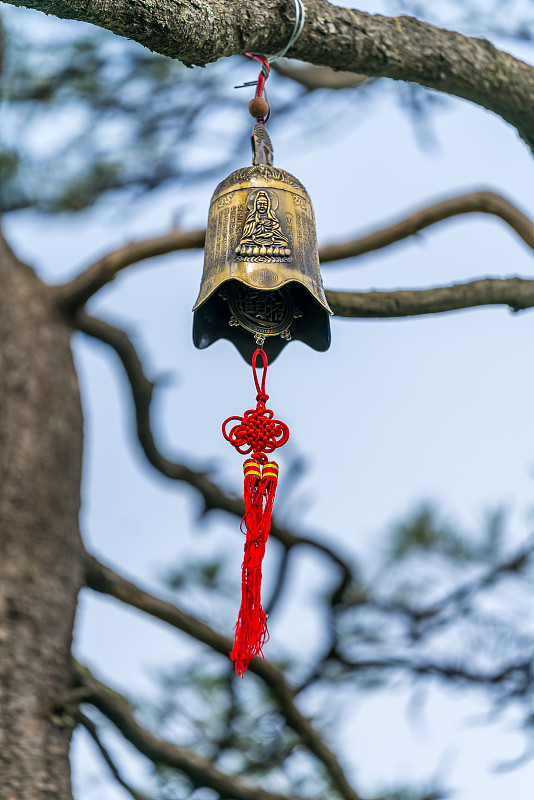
(251, 628)
(256, 433)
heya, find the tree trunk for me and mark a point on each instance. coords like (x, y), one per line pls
(40, 547)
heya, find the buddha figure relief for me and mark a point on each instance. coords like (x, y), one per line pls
(262, 233)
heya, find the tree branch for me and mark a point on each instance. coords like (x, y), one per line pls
(104, 580)
(212, 495)
(517, 293)
(281, 578)
(517, 676)
(485, 202)
(73, 295)
(199, 770)
(91, 728)
(403, 48)
(449, 607)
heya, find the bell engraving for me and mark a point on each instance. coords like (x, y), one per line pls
(262, 236)
(265, 313)
(261, 263)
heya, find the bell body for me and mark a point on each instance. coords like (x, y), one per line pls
(261, 284)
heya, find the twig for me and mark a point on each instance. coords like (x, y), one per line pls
(102, 579)
(91, 728)
(439, 612)
(199, 770)
(485, 202)
(517, 293)
(422, 620)
(521, 671)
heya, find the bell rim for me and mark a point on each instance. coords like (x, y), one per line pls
(324, 304)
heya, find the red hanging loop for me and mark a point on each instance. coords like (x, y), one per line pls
(264, 74)
(260, 390)
(256, 432)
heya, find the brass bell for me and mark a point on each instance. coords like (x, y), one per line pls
(261, 285)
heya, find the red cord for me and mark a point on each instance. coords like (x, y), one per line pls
(262, 77)
(256, 432)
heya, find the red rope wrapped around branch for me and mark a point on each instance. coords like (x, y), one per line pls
(255, 433)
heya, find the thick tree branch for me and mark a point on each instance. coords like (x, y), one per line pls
(103, 579)
(73, 295)
(517, 293)
(402, 48)
(76, 293)
(91, 728)
(212, 495)
(199, 770)
(485, 202)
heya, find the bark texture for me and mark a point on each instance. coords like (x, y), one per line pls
(40, 547)
(403, 48)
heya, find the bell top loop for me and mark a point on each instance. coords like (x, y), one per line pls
(262, 149)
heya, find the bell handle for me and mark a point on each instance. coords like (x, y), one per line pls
(262, 149)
